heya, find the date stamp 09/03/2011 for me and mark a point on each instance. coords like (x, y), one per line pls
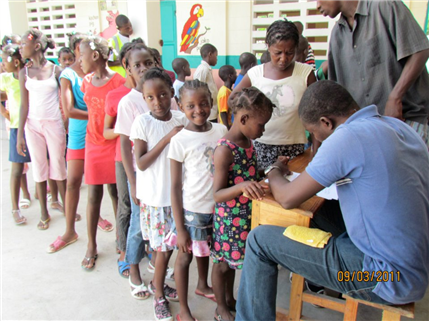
(367, 276)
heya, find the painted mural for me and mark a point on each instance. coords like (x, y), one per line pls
(108, 11)
(190, 33)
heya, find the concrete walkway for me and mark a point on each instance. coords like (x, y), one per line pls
(36, 285)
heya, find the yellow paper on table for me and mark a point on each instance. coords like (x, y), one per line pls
(308, 236)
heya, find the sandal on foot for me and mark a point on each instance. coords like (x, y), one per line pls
(210, 296)
(59, 244)
(105, 225)
(122, 267)
(169, 275)
(162, 310)
(137, 289)
(44, 225)
(18, 218)
(57, 206)
(88, 259)
(24, 203)
(169, 292)
(218, 316)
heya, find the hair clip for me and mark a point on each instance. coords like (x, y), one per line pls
(30, 36)
(9, 41)
(92, 45)
(9, 59)
(73, 32)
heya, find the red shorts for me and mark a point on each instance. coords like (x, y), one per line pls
(75, 154)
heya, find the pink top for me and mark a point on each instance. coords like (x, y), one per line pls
(43, 97)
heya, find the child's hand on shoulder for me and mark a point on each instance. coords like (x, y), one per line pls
(253, 190)
(184, 242)
(173, 132)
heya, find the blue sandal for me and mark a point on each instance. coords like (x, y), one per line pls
(122, 267)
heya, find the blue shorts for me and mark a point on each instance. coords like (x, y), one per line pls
(14, 157)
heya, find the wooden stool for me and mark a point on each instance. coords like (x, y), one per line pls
(390, 312)
(349, 306)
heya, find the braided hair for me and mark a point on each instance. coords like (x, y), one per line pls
(157, 73)
(130, 46)
(252, 99)
(98, 44)
(194, 85)
(39, 37)
(75, 39)
(282, 30)
(12, 52)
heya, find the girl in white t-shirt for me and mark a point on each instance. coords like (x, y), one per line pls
(191, 153)
(151, 133)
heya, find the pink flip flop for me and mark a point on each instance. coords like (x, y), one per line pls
(207, 296)
(105, 225)
(59, 244)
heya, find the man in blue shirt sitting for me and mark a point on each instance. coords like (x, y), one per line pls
(380, 166)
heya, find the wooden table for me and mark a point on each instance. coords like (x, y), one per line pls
(269, 212)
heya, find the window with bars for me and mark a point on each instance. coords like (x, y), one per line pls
(54, 18)
(317, 28)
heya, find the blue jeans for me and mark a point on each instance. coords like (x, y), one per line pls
(135, 243)
(267, 247)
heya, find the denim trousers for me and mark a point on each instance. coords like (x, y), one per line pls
(135, 243)
(124, 206)
(267, 248)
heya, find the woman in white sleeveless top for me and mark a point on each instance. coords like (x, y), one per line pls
(283, 81)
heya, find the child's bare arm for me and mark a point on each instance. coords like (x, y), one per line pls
(67, 100)
(224, 117)
(222, 161)
(127, 161)
(3, 96)
(23, 114)
(4, 112)
(109, 125)
(145, 158)
(183, 238)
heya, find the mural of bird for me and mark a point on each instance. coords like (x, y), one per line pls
(190, 29)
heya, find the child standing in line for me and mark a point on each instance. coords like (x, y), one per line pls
(76, 111)
(247, 60)
(40, 115)
(138, 60)
(66, 57)
(151, 133)
(204, 73)
(99, 152)
(182, 68)
(9, 88)
(236, 175)
(123, 207)
(191, 156)
(228, 74)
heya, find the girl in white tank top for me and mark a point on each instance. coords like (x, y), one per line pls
(40, 116)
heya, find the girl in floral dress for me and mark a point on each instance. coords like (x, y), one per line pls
(236, 176)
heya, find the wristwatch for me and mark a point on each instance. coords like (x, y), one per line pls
(270, 168)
